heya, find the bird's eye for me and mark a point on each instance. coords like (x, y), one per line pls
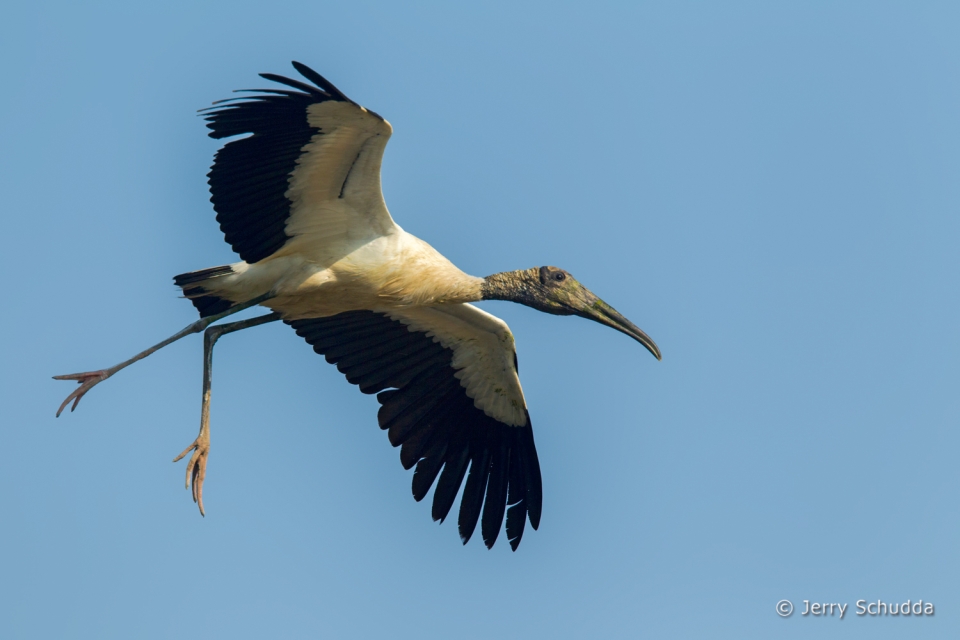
(559, 277)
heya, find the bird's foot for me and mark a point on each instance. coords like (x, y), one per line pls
(197, 467)
(87, 381)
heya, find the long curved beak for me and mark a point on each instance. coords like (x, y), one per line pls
(599, 311)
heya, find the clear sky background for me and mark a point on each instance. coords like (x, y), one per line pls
(771, 192)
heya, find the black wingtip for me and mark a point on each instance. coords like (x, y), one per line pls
(319, 80)
(296, 84)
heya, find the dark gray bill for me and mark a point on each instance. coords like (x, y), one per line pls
(601, 312)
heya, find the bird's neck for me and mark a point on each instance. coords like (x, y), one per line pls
(516, 286)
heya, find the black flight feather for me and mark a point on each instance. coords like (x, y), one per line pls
(450, 480)
(472, 498)
(427, 470)
(296, 84)
(495, 503)
(320, 81)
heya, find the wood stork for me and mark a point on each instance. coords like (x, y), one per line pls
(297, 195)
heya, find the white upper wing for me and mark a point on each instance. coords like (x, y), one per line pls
(484, 355)
(336, 201)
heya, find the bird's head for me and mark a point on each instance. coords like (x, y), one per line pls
(555, 291)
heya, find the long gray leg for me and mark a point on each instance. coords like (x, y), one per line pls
(90, 379)
(197, 466)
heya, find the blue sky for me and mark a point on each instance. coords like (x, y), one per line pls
(769, 191)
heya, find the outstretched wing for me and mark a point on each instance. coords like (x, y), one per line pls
(308, 167)
(446, 378)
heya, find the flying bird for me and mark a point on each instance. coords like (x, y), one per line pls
(297, 195)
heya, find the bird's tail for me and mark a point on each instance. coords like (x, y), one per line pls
(192, 284)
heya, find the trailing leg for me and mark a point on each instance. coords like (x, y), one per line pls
(90, 379)
(197, 466)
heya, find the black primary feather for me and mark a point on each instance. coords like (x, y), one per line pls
(472, 498)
